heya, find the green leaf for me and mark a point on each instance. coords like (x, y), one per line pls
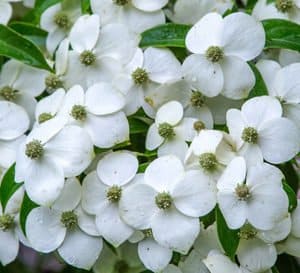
(8, 186)
(228, 238)
(143, 167)
(282, 34)
(287, 264)
(250, 4)
(13, 45)
(30, 31)
(168, 35)
(85, 6)
(208, 219)
(26, 207)
(137, 126)
(275, 270)
(260, 88)
(291, 195)
(290, 175)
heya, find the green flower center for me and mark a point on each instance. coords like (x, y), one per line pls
(69, 219)
(163, 200)
(34, 149)
(140, 76)
(166, 130)
(199, 125)
(197, 99)
(44, 117)
(114, 194)
(121, 267)
(6, 222)
(53, 82)
(121, 2)
(62, 20)
(247, 232)
(214, 54)
(284, 5)
(242, 191)
(8, 93)
(250, 135)
(208, 162)
(87, 58)
(78, 112)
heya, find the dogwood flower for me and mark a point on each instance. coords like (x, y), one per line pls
(72, 233)
(260, 131)
(248, 195)
(222, 48)
(169, 197)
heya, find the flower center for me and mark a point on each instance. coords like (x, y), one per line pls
(6, 222)
(242, 191)
(53, 82)
(166, 130)
(78, 112)
(121, 267)
(61, 19)
(199, 125)
(34, 149)
(163, 200)
(87, 57)
(284, 5)
(44, 117)
(208, 162)
(250, 135)
(214, 54)
(69, 219)
(114, 194)
(140, 76)
(148, 233)
(247, 232)
(8, 93)
(197, 99)
(121, 2)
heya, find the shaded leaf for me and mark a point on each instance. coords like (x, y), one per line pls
(260, 88)
(291, 195)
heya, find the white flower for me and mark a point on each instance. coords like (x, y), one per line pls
(170, 131)
(287, 57)
(6, 10)
(65, 227)
(169, 202)
(221, 49)
(251, 198)
(98, 112)
(103, 191)
(137, 15)
(50, 153)
(58, 20)
(260, 131)
(14, 122)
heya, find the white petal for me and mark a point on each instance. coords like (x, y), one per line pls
(237, 39)
(180, 239)
(236, 125)
(203, 75)
(103, 98)
(292, 246)
(53, 40)
(237, 87)
(164, 173)
(194, 196)
(6, 12)
(80, 249)
(218, 263)
(296, 221)
(111, 226)
(205, 33)
(153, 139)
(176, 147)
(146, 5)
(9, 244)
(171, 113)
(61, 57)
(44, 230)
(202, 114)
(47, 17)
(154, 256)
(86, 222)
(9, 73)
(171, 269)
(193, 263)
(117, 168)
(85, 32)
(14, 120)
(9, 151)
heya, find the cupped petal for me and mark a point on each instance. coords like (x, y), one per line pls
(218, 263)
(180, 239)
(153, 139)
(117, 168)
(9, 242)
(207, 32)
(9, 72)
(185, 129)
(171, 113)
(47, 18)
(154, 256)
(177, 147)
(53, 40)
(44, 230)
(61, 57)
(86, 222)
(149, 6)
(203, 75)
(6, 12)
(80, 250)
(236, 125)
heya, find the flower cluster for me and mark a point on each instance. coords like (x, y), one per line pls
(123, 152)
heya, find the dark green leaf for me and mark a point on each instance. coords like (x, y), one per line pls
(13, 45)
(143, 167)
(287, 264)
(168, 35)
(275, 270)
(85, 6)
(291, 195)
(137, 126)
(260, 88)
(282, 34)
(176, 258)
(208, 219)
(228, 238)
(8, 186)
(26, 207)
(290, 175)
(250, 4)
